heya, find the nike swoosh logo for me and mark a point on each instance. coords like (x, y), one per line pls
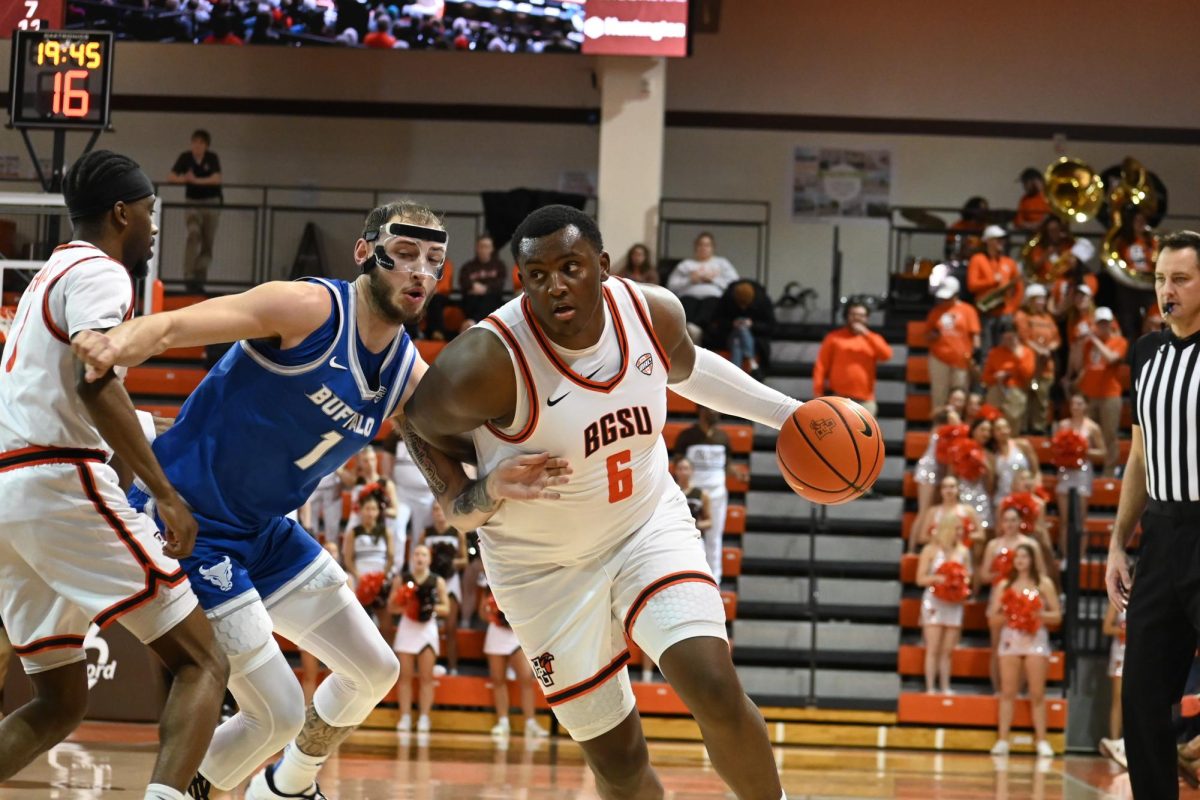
(333, 363)
(589, 377)
(551, 401)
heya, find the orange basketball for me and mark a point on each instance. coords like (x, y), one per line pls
(830, 451)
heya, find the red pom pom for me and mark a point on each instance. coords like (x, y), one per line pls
(1025, 504)
(1001, 564)
(368, 588)
(947, 435)
(1022, 610)
(989, 412)
(968, 459)
(956, 588)
(1069, 449)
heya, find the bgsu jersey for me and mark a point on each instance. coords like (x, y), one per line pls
(79, 288)
(602, 409)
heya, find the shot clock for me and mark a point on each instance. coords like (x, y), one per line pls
(60, 79)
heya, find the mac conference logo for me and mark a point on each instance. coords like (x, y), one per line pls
(101, 668)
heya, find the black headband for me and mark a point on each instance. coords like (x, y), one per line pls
(126, 188)
(421, 232)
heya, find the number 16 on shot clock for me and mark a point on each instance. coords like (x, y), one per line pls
(60, 79)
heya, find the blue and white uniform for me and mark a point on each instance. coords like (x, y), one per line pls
(257, 436)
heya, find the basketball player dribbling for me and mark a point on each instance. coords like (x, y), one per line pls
(579, 367)
(72, 551)
(320, 365)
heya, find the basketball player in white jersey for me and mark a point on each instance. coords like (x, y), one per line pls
(72, 551)
(579, 367)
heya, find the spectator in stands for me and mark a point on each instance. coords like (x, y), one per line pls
(1023, 604)
(223, 31)
(928, 472)
(1074, 456)
(1038, 330)
(963, 236)
(504, 655)
(1054, 241)
(637, 266)
(995, 280)
(1096, 371)
(1014, 454)
(941, 616)
(977, 474)
(957, 400)
(973, 408)
(199, 169)
(419, 597)
(707, 447)
(1008, 374)
(381, 38)
(1063, 290)
(949, 505)
(448, 555)
(368, 480)
(481, 281)
(1139, 247)
(1113, 746)
(743, 322)
(1033, 207)
(952, 330)
(700, 281)
(848, 358)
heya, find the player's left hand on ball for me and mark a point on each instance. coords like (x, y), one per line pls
(528, 477)
(97, 351)
(180, 526)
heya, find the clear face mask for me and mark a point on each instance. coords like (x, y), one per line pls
(394, 249)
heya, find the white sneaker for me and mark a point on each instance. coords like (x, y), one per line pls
(405, 723)
(510, 674)
(423, 725)
(1044, 749)
(1114, 749)
(1000, 748)
(262, 787)
(501, 729)
(439, 671)
(535, 731)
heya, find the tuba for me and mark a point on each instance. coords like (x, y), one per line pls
(1075, 192)
(1135, 191)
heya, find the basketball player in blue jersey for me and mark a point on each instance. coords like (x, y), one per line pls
(319, 366)
(579, 366)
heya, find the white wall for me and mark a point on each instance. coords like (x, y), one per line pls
(1072, 62)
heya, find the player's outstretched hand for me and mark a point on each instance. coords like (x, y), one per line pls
(97, 351)
(528, 477)
(180, 526)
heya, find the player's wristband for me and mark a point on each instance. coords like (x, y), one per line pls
(719, 385)
(146, 420)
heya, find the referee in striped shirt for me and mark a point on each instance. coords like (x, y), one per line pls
(1161, 487)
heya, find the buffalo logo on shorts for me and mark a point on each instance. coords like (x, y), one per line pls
(543, 668)
(822, 427)
(219, 575)
(645, 363)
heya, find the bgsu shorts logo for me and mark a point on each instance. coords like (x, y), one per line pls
(822, 427)
(543, 668)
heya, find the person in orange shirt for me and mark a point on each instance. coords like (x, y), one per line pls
(1032, 208)
(1096, 367)
(1008, 373)
(990, 271)
(848, 358)
(952, 330)
(1038, 331)
(962, 237)
(1138, 246)
(1054, 244)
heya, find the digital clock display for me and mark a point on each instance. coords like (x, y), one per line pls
(60, 79)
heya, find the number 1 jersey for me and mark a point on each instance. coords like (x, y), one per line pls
(265, 425)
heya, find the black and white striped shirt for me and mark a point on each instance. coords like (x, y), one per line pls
(1166, 404)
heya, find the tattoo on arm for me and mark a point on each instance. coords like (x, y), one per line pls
(419, 450)
(475, 498)
(318, 737)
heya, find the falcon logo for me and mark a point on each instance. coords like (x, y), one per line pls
(822, 427)
(645, 363)
(219, 575)
(543, 668)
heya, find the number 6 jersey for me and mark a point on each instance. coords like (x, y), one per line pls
(265, 425)
(602, 409)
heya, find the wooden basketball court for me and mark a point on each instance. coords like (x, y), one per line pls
(108, 760)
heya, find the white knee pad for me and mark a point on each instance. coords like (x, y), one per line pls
(364, 667)
(295, 610)
(245, 635)
(680, 611)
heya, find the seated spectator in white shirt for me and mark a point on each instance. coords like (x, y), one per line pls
(700, 281)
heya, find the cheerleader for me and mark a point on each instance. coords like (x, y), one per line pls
(419, 597)
(975, 486)
(1023, 604)
(1013, 455)
(946, 589)
(1078, 441)
(995, 566)
(367, 547)
(1114, 625)
(926, 524)
(504, 657)
(928, 472)
(448, 553)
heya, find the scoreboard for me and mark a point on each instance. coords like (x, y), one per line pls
(29, 15)
(60, 79)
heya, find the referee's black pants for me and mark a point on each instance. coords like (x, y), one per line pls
(1161, 633)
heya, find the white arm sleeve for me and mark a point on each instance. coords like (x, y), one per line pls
(719, 385)
(146, 420)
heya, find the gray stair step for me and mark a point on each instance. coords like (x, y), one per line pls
(889, 391)
(805, 352)
(795, 547)
(893, 430)
(851, 636)
(763, 464)
(795, 507)
(830, 683)
(835, 591)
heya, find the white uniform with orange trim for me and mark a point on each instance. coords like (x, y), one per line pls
(72, 551)
(619, 555)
